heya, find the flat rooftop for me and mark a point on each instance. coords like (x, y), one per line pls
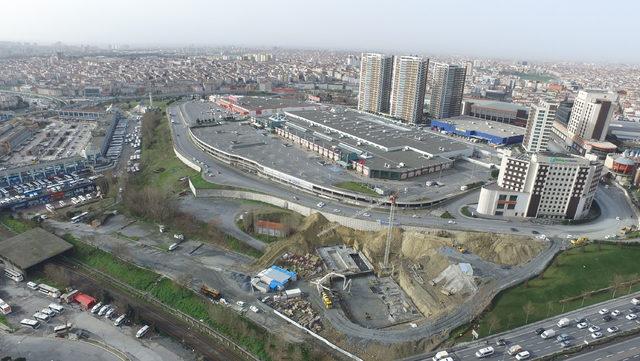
(377, 132)
(32, 247)
(468, 123)
(494, 104)
(259, 103)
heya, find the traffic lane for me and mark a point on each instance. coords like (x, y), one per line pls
(533, 343)
(620, 351)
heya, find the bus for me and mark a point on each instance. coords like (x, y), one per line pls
(4, 307)
(30, 323)
(48, 290)
(14, 275)
(62, 328)
(41, 317)
(141, 332)
(79, 217)
(56, 308)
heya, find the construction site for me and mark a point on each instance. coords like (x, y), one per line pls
(391, 278)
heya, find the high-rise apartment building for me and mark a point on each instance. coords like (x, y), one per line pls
(543, 185)
(539, 126)
(408, 87)
(591, 113)
(375, 82)
(447, 90)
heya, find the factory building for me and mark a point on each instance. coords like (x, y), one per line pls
(496, 111)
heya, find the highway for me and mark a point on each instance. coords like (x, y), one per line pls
(527, 338)
(620, 351)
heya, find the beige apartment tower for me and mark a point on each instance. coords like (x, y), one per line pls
(539, 126)
(591, 114)
(446, 90)
(375, 82)
(408, 88)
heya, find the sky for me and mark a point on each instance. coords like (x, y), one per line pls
(572, 30)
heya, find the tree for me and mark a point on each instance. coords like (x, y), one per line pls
(493, 321)
(616, 283)
(528, 309)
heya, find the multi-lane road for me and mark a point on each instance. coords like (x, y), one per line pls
(530, 341)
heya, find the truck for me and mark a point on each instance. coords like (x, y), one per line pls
(580, 241)
(326, 299)
(210, 292)
(548, 334)
(563, 322)
(464, 188)
(5, 309)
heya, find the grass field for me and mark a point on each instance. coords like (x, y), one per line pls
(572, 274)
(447, 215)
(356, 187)
(14, 225)
(533, 77)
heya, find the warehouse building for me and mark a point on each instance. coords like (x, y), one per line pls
(31, 248)
(480, 130)
(496, 111)
(257, 106)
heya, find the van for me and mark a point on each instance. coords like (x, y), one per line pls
(523, 355)
(96, 307)
(440, 356)
(32, 285)
(173, 247)
(548, 334)
(635, 301)
(119, 321)
(109, 312)
(104, 310)
(41, 317)
(484, 352)
(56, 308)
(48, 312)
(141, 332)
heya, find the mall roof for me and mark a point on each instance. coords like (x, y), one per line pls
(468, 123)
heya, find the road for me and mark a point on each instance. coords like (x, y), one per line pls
(54, 349)
(619, 351)
(538, 347)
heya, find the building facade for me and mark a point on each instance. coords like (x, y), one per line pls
(591, 114)
(447, 90)
(542, 185)
(408, 88)
(496, 111)
(375, 82)
(539, 126)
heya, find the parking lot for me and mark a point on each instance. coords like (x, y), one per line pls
(26, 302)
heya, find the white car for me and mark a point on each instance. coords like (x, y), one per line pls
(631, 316)
(613, 329)
(366, 214)
(451, 221)
(596, 335)
(594, 328)
(617, 218)
(635, 301)
(582, 325)
(336, 210)
(603, 311)
(523, 355)
(320, 205)
(615, 313)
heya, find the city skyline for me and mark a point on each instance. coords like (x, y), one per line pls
(499, 30)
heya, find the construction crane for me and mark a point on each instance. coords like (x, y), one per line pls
(392, 200)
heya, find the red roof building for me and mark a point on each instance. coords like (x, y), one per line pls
(84, 300)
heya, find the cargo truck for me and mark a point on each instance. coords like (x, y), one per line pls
(210, 292)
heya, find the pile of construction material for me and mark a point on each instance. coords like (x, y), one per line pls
(297, 309)
(305, 266)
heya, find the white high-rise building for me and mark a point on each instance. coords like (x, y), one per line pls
(408, 88)
(543, 185)
(591, 114)
(539, 126)
(375, 82)
(447, 90)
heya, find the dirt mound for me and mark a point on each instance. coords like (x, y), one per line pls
(502, 249)
(423, 248)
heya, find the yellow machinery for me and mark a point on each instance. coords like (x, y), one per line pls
(326, 299)
(581, 241)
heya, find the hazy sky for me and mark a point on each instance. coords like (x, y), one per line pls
(598, 30)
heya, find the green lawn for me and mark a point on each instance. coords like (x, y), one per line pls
(447, 215)
(357, 187)
(465, 210)
(15, 225)
(572, 273)
(532, 76)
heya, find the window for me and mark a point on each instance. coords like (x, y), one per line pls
(502, 197)
(511, 206)
(513, 198)
(500, 206)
